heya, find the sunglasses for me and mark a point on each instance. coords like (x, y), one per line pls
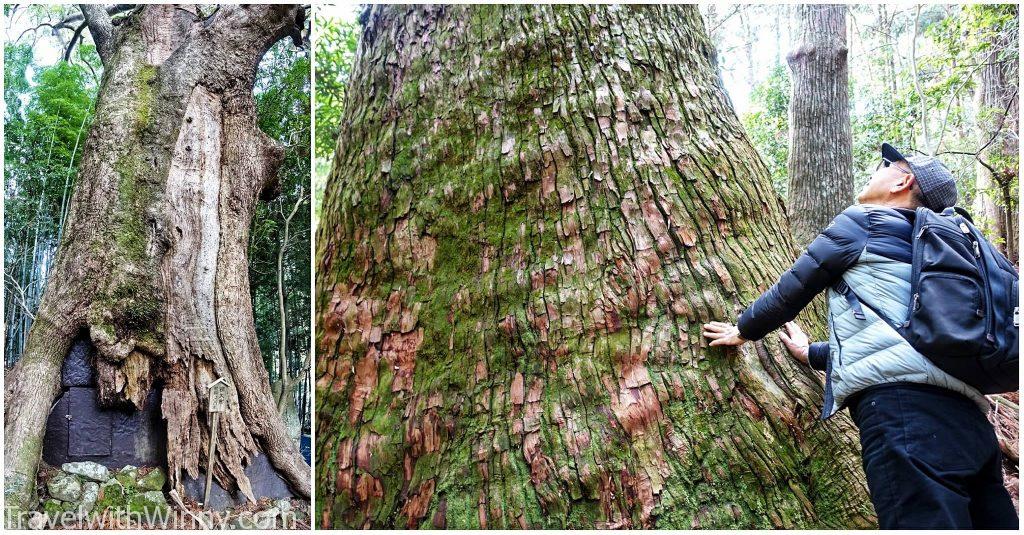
(886, 163)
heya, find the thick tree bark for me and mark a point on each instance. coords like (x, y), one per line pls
(820, 143)
(996, 102)
(154, 262)
(532, 210)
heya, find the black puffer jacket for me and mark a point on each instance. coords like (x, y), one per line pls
(881, 230)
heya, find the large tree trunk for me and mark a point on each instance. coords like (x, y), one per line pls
(531, 212)
(820, 143)
(153, 263)
(996, 102)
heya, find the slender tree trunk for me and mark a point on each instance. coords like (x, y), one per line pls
(922, 99)
(748, 43)
(284, 396)
(821, 145)
(777, 12)
(153, 264)
(531, 212)
(996, 102)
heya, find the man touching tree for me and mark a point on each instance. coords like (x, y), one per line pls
(930, 455)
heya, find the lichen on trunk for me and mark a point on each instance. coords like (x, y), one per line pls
(531, 212)
(153, 265)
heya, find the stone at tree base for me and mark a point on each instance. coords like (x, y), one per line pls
(89, 470)
(65, 487)
(283, 504)
(154, 480)
(117, 496)
(267, 519)
(37, 520)
(243, 521)
(112, 494)
(127, 476)
(148, 503)
(90, 493)
(53, 507)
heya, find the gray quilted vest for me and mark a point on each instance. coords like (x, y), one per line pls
(866, 352)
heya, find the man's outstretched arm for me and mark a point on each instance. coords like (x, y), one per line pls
(830, 254)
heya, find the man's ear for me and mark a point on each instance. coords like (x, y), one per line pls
(903, 184)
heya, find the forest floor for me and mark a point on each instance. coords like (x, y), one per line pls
(1006, 420)
(261, 515)
(126, 502)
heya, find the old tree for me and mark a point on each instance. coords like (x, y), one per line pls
(531, 212)
(153, 263)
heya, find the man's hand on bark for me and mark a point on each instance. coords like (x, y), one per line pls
(795, 341)
(723, 334)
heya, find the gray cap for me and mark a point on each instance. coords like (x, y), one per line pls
(936, 182)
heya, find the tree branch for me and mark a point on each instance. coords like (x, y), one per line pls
(991, 139)
(35, 29)
(115, 9)
(949, 106)
(74, 39)
(285, 375)
(276, 21)
(22, 300)
(100, 26)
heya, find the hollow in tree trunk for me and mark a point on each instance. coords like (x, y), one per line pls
(820, 143)
(531, 212)
(153, 262)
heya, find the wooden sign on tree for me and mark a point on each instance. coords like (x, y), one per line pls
(217, 402)
(218, 396)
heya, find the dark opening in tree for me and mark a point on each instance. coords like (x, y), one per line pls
(153, 262)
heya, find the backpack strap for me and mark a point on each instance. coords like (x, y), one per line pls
(842, 288)
(961, 211)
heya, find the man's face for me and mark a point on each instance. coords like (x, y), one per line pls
(886, 183)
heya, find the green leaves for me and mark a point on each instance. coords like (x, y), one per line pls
(336, 42)
(335, 51)
(48, 112)
(283, 107)
(767, 124)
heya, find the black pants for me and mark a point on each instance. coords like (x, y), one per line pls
(931, 459)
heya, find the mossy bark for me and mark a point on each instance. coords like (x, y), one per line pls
(531, 212)
(154, 264)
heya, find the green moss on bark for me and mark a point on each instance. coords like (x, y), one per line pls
(582, 231)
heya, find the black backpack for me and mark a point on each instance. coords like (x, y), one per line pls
(963, 302)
